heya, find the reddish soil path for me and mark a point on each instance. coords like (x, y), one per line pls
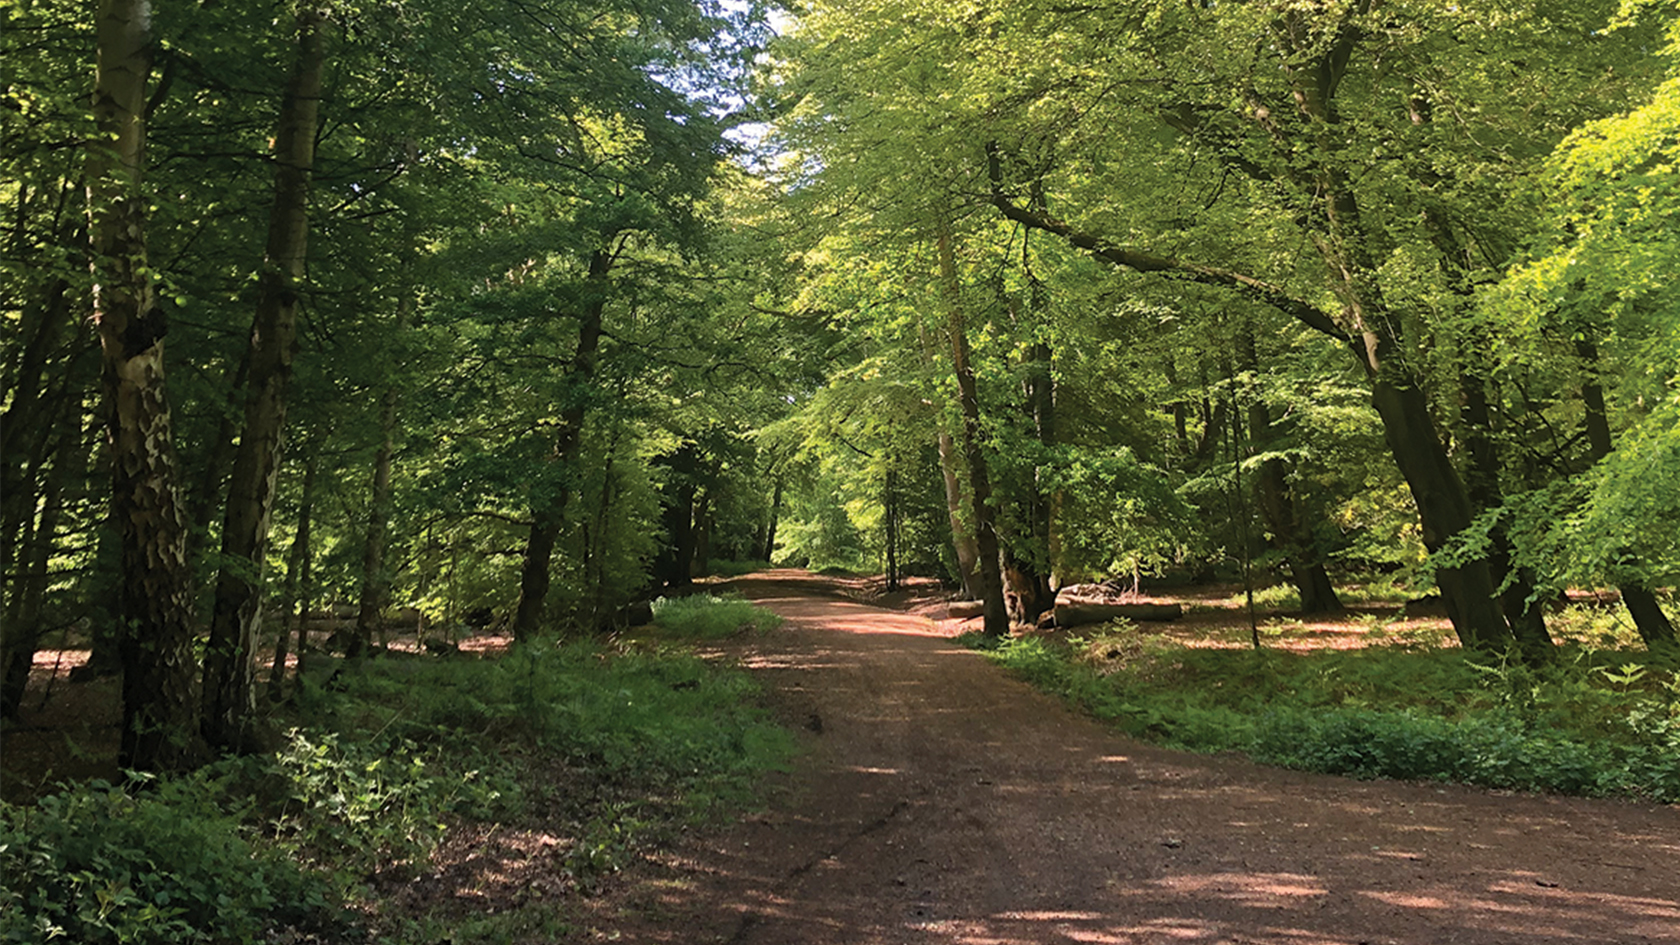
(941, 801)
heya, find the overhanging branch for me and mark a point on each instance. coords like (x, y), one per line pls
(1305, 312)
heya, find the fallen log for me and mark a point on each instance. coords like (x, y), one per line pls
(1077, 615)
(964, 609)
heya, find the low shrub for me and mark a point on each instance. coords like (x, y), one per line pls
(661, 718)
(708, 617)
(1577, 726)
(355, 807)
(146, 862)
(736, 568)
(617, 746)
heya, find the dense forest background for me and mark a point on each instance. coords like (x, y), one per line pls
(331, 323)
(513, 313)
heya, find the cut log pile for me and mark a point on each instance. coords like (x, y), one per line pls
(1078, 614)
(1081, 604)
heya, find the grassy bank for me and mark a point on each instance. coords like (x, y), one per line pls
(1593, 722)
(405, 794)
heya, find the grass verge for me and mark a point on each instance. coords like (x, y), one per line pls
(1593, 722)
(710, 617)
(361, 826)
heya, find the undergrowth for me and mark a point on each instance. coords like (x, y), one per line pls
(736, 568)
(613, 749)
(711, 617)
(1591, 722)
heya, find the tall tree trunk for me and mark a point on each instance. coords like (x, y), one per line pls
(230, 660)
(549, 506)
(1445, 507)
(1278, 507)
(294, 594)
(21, 635)
(1519, 598)
(596, 551)
(156, 601)
(376, 582)
(963, 544)
(37, 425)
(1026, 579)
(890, 522)
(1293, 535)
(1648, 617)
(770, 527)
(211, 490)
(996, 615)
(701, 559)
(24, 430)
(675, 566)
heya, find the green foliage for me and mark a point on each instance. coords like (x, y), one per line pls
(1630, 523)
(709, 617)
(672, 724)
(1589, 725)
(736, 568)
(826, 539)
(1130, 517)
(357, 806)
(642, 740)
(145, 862)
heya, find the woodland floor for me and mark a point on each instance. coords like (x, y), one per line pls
(938, 800)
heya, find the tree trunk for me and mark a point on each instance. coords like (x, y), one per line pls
(962, 539)
(1444, 505)
(156, 601)
(1026, 578)
(679, 526)
(23, 631)
(1648, 617)
(701, 559)
(890, 523)
(770, 527)
(230, 659)
(996, 621)
(212, 481)
(549, 506)
(25, 432)
(1277, 501)
(1653, 625)
(1444, 509)
(294, 596)
(1519, 598)
(376, 582)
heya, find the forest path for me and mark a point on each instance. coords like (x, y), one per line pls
(941, 801)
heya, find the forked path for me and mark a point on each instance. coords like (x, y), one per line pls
(941, 801)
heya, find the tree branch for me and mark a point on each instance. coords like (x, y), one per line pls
(1305, 312)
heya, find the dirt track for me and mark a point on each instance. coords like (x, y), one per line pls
(944, 802)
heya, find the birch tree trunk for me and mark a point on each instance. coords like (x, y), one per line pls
(155, 595)
(230, 660)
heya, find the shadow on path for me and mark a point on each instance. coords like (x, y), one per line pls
(941, 801)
